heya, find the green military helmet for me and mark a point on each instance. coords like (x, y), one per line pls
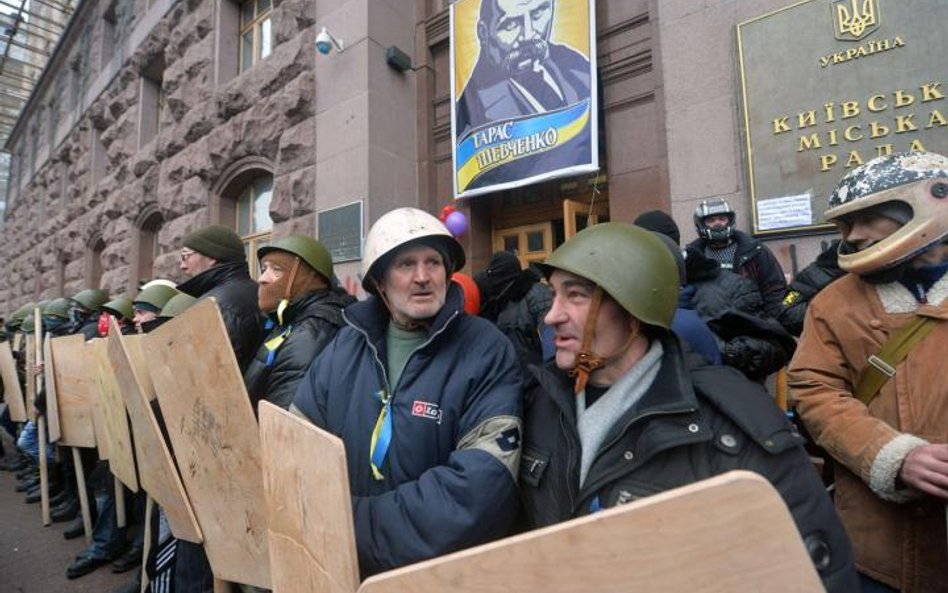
(20, 314)
(629, 263)
(29, 322)
(177, 305)
(91, 298)
(120, 307)
(156, 296)
(57, 308)
(308, 249)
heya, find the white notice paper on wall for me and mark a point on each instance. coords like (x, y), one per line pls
(788, 211)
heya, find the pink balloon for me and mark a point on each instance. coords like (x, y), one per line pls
(456, 223)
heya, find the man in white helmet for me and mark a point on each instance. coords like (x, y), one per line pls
(868, 375)
(426, 398)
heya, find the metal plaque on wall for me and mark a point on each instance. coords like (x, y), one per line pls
(340, 231)
(828, 85)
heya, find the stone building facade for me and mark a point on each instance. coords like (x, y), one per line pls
(146, 125)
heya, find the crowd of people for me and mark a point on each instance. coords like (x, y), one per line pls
(622, 366)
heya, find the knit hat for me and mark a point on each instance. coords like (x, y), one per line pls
(659, 222)
(504, 268)
(676, 253)
(217, 242)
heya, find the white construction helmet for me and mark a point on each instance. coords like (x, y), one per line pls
(398, 228)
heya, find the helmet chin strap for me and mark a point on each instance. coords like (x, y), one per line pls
(286, 292)
(587, 361)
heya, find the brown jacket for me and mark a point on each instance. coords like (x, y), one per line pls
(898, 534)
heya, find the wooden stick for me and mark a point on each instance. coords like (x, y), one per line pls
(120, 519)
(149, 510)
(83, 495)
(44, 470)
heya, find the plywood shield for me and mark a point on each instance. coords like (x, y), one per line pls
(76, 390)
(309, 511)
(215, 439)
(12, 392)
(52, 403)
(114, 418)
(157, 473)
(730, 533)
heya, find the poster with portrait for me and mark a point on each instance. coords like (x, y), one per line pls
(523, 92)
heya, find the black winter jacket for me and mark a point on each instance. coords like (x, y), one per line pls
(695, 421)
(236, 295)
(809, 281)
(757, 345)
(312, 321)
(449, 479)
(755, 261)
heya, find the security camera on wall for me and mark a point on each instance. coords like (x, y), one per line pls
(325, 42)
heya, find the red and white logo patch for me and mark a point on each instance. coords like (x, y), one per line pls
(426, 410)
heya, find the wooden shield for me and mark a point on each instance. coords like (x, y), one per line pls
(730, 533)
(157, 473)
(309, 511)
(52, 403)
(215, 439)
(12, 392)
(76, 390)
(121, 453)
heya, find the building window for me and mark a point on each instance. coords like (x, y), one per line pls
(253, 218)
(151, 101)
(99, 157)
(94, 262)
(148, 246)
(254, 32)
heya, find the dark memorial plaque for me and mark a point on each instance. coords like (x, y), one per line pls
(340, 230)
(828, 85)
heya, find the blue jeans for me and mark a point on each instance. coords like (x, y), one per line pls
(108, 539)
(29, 442)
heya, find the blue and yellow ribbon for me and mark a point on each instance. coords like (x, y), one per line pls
(507, 141)
(381, 435)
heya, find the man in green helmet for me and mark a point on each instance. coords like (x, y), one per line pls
(303, 312)
(621, 413)
(147, 305)
(84, 314)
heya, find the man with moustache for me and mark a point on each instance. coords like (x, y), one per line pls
(425, 398)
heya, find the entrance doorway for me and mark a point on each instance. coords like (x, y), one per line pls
(531, 242)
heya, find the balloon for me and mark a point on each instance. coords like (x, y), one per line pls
(472, 294)
(456, 223)
(446, 212)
